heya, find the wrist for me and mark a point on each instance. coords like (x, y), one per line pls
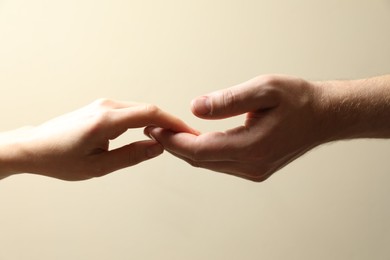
(355, 108)
(12, 153)
(334, 106)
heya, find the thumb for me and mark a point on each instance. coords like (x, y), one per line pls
(249, 96)
(128, 155)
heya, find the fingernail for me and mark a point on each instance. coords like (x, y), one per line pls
(154, 150)
(147, 131)
(196, 132)
(201, 106)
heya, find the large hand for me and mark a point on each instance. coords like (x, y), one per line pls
(76, 146)
(283, 122)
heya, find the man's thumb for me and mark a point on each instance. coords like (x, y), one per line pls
(229, 102)
(257, 94)
(201, 106)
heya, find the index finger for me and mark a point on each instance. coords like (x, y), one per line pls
(145, 115)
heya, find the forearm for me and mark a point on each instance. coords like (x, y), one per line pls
(10, 152)
(357, 108)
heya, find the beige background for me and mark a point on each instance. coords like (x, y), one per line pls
(56, 56)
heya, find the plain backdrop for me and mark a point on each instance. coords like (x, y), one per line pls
(56, 56)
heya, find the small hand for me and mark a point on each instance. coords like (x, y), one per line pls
(76, 146)
(282, 123)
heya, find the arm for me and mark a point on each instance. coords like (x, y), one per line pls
(357, 108)
(285, 118)
(75, 146)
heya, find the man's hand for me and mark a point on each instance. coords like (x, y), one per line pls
(76, 146)
(284, 119)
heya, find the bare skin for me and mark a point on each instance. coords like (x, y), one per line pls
(75, 146)
(285, 118)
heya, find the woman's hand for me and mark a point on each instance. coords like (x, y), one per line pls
(75, 146)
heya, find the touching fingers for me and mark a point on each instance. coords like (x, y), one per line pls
(214, 146)
(112, 104)
(145, 114)
(236, 168)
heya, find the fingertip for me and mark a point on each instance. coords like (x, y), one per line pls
(196, 132)
(154, 150)
(189, 129)
(151, 131)
(147, 131)
(201, 106)
(154, 132)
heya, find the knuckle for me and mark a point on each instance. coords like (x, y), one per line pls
(152, 110)
(103, 115)
(97, 122)
(228, 99)
(270, 80)
(104, 102)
